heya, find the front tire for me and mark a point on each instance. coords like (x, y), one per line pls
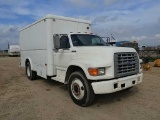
(32, 75)
(80, 89)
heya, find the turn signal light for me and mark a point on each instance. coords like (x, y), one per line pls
(93, 71)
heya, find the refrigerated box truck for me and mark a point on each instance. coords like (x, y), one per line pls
(65, 50)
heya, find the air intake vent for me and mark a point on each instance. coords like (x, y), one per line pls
(126, 63)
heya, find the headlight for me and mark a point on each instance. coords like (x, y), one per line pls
(96, 71)
(101, 71)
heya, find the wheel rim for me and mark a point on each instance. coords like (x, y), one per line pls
(28, 71)
(77, 89)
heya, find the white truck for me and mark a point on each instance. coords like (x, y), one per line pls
(14, 50)
(65, 50)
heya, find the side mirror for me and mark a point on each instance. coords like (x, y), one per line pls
(56, 39)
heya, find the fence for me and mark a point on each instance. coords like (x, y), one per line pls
(150, 54)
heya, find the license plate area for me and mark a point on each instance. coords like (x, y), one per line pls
(125, 84)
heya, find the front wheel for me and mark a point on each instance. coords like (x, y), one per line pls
(80, 89)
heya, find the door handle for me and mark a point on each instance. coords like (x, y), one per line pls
(73, 50)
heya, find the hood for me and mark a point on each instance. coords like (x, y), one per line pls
(99, 55)
(102, 50)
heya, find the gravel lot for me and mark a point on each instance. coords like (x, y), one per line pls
(21, 99)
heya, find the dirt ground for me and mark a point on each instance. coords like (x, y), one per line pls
(22, 99)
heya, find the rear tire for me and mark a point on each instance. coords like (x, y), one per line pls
(32, 75)
(80, 89)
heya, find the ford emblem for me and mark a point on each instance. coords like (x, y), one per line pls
(129, 62)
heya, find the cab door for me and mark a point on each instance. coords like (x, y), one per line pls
(64, 55)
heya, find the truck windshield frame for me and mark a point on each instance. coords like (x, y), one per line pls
(87, 40)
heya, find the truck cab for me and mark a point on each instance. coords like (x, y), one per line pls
(107, 69)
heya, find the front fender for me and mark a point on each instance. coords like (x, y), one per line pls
(84, 65)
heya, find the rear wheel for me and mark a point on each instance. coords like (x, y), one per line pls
(80, 89)
(32, 75)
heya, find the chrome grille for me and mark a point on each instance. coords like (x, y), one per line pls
(125, 63)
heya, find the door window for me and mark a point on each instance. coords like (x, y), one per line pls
(64, 42)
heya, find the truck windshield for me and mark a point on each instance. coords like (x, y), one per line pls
(87, 40)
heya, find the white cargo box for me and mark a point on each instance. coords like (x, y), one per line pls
(36, 40)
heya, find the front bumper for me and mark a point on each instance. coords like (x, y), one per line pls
(114, 85)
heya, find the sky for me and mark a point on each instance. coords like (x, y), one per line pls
(130, 20)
